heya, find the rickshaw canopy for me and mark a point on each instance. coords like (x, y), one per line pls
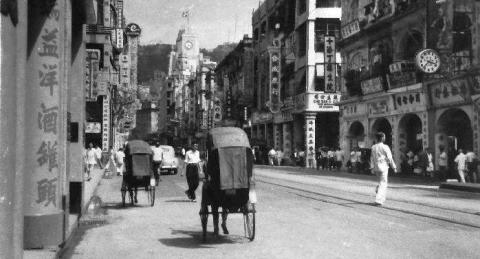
(228, 137)
(138, 147)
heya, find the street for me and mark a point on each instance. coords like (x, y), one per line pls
(299, 215)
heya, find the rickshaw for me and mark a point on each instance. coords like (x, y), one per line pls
(139, 171)
(228, 180)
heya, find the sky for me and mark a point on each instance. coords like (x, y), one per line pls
(212, 20)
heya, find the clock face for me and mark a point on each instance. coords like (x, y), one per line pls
(428, 61)
(188, 44)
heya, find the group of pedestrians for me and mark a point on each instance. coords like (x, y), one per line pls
(92, 158)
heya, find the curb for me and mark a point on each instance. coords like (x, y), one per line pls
(465, 187)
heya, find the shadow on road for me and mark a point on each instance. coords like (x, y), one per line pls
(180, 200)
(193, 239)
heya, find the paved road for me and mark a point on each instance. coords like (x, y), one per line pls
(299, 216)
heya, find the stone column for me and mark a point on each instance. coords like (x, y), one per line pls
(43, 214)
(287, 140)
(277, 141)
(13, 31)
(310, 136)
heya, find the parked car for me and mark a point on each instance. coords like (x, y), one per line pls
(170, 161)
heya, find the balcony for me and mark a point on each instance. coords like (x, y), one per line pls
(377, 11)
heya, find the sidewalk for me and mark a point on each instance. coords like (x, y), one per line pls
(89, 190)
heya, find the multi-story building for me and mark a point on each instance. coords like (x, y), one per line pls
(183, 65)
(235, 84)
(296, 74)
(389, 87)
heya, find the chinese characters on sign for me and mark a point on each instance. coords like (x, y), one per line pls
(91, 73)
(228, 96)
(106, 123)
(372, 85)
(330, 64)
(409, 102)
(325, 102)
(46, 114)
(449, 92)
(350, 29)
(275, 102)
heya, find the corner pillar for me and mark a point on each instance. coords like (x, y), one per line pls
(45, 118)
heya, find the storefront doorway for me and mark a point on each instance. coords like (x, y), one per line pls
(410, 133)
(356, 135)
(382, 125)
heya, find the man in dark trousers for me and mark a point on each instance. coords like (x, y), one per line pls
(192, 160)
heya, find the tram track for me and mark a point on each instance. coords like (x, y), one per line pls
(447, 215)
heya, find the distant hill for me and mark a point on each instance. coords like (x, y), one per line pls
(151, 58)
(218, 53)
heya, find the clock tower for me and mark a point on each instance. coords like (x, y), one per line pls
(188, 49)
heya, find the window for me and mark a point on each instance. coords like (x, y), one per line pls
(462, 38)
(325, 27)
(328, 3)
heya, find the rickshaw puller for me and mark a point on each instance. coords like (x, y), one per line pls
(192, 160)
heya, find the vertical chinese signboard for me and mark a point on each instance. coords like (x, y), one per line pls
(106, 124)
(275, 101)
(330, 65)
(228, 96)
(45, 116)
(91, 73)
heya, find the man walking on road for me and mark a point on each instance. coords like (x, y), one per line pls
(380, 161)
(192, 160)
(157, 161)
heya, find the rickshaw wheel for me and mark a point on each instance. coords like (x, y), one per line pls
(151, 195)
(249, 221)
(204, 219)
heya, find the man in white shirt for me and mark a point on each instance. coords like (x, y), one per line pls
(380, 160)
(461, 160)
(120, 161)
(98, 155)
(272, 156)
(192, 160)
(90, 160)
(157, 161)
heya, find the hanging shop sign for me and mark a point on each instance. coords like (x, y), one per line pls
(228, 97)
(217, 110)
(372, 85)
(378, 108)
(106, 123)
(330, 65)
(91, 74)
(93, 127)
(275, 103)
(133, 29)
(119, 38)
(322, 102)
(350, 29)
(281, 117)
(258, 118)
(449, 92)
(356, 109)
(401, 79)
(409, 102)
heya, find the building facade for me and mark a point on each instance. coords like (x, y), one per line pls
(384, 88)
(235, 85)
(296, 77)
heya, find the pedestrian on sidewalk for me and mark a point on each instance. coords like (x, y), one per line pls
(461, 160)
(272, 156)
(192, 161)
(471, 164)
(331, 159)
(311, 158)
(98, 156)
(91, 160)
(430, 168)
(442, 164)
(380, 161)
(339, 156)
(279, 156)
(318, 157)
